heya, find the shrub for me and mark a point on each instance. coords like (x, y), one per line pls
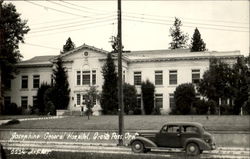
(184, 96)
(129, 97)
(148, 90)
(201, 107)
(12, 122)
(137, 111)
(12, 109)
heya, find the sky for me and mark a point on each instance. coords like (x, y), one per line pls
(224, 25)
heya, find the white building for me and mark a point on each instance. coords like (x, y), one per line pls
(165, 68)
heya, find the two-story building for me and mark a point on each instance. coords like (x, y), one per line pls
(165, 68)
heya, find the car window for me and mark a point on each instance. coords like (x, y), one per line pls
(190, 129)
(173, 128)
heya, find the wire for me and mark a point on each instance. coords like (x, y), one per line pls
(55, 9)
(101, 21)
(183, 25)
(38, 45)
(78, 21)
(193, 19)
(72, 30)
(72, 4)
(188, 22)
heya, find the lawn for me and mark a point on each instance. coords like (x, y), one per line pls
(150, 122)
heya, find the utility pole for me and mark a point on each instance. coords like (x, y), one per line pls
(1, 45)
(120, 91)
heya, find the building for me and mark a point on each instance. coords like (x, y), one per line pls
(165, 68)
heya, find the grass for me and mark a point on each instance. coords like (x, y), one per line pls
(150, 122)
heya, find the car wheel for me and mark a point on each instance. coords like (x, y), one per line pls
(192, 149)
(137, 147)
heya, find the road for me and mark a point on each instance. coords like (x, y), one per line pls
(20, 150)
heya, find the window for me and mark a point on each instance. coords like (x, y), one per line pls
(190, 129)
(138, 101)
(86, 77)
(78, 78)
(158, 78)
(36, 81)
(171, 101)
(195, 76)
(137, 78)
(173, 129)
(24, 81)
(78, 99)
(93, 77)
(158, 100)
(173, 77)
(24, 101)
(7, 100)
(34, 101)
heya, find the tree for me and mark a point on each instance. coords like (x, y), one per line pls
(40, 97)
(217, 82)
(184, 96)
(129, 97)
(12, 31)
(91, 95)
(179, 39)
(61, 87)
(148, 91)
(241, 84)
(68, 46)
(109, 98)
(197, 44)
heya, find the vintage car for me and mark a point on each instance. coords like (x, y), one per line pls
(190, 136)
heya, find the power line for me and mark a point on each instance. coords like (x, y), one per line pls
(38, 45)
(55, 9)
(106, 20)
(80, 6)
(189, 22)
(72, 30)
(193, 19)
(72, 8)
(161, 23)
(78, 21)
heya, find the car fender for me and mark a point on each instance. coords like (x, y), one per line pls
(146, 142)
(201, 143)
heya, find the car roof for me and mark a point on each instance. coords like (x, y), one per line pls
(186, 123)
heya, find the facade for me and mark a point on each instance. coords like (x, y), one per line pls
(165, 68)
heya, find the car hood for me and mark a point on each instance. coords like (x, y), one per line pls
(147, 133)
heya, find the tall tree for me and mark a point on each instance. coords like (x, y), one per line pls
(179, 39)
(130, 100)
(148, 91)
(40, 97)
(68, 46)
(241, 84)
(217, 82)
(12, 31)
(61, 87)
(197, 43)
(109, 98)
(184, 96)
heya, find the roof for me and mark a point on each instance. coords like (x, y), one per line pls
(37, 61)
(185, 123)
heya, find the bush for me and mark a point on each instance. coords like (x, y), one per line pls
(12, 122)
(184, 96)
(201, 107)
(12, 109)
(50, 108)
(148, 90)
(137, 111)
(156, 111)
